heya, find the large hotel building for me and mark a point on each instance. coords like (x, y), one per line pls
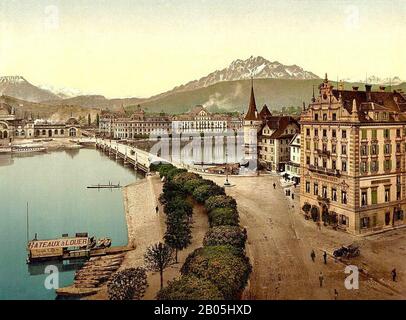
(353, 158)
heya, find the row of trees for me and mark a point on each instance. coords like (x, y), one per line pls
(218, 270)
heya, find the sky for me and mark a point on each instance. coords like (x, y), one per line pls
(122, 48)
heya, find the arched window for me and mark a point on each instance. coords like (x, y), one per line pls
(16, 133)
(56, 131)
(5, 134)
(62, 131)
(72, 132)
(44, 132)
(37, 132)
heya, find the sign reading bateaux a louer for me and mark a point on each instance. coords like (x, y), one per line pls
(58, 243)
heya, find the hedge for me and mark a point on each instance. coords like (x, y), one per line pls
(226, 235)
(225, 266)
(205, 191)
(220, 201)
(190, 287)
(223, 216)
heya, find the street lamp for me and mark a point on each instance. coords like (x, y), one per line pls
(226, 183)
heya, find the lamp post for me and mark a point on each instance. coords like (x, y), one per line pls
(226, 183)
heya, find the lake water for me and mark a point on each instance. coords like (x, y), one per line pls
(54, 185)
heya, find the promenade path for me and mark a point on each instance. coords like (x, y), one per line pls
(280, 241)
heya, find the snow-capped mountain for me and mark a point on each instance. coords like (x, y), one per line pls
(394, 81)
(257, 67)
(18, 87)
(63, 93)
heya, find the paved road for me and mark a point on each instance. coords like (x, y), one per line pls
(280, 242)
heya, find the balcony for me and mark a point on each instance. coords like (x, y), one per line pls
(322, 199)
(329, 172)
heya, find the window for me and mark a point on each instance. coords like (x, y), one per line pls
(324, 147)
(386, 133)
(374, 166)
(387, 148)
(374, 196)
(344, 197)
(398, 192)
(324, 192)
(374, 134)
(364, 167)
(316, 132)
(334, 164)
(364, 150)
(374, 149)
(398, 147)
(398, 163)
(307, 186)
(324, 116)
(334, 133)
(307, 132)
(344, 134)
(334, 194)
(343, 219)
(316, 189)
(316, 117)
(364, 197)
(344, 165)
(344, 149)
(398, 133)
(324, 133)
(363, 134)
(334, 148)
(316, 161)
(387, 194)
(365, 222)
(324, 163)
(334, 117)
(387, 165)
(307, 160)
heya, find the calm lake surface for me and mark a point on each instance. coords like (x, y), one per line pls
(54, 184)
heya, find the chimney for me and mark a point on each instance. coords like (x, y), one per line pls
(354, 88)
(368, 88)
(382, 88)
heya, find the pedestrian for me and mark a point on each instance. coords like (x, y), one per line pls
(394, 274)
(156, 209)
(274, 185)
(325, 257)
(321, 279)
(313, 255)
(335, 294)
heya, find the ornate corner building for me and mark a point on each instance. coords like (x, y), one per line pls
(353, 158)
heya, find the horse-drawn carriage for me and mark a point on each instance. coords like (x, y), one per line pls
(350, 251)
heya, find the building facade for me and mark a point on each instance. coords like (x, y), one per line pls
(120, 126)
(267, 137)
(199, 119)
(353, 158)
(12, 127)
(293, 166)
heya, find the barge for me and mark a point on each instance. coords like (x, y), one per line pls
(28, 148)
(66, 248)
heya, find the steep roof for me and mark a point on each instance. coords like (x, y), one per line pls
(392, 101)
(265, 113)
(279, 124)
(252, 113)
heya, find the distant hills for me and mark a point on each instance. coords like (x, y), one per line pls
(276, 85)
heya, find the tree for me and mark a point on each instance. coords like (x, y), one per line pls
(127, 284)
(178, 235)
(97, 120)
(89, 120)
(225, 266)
(223, 217)
(157, 258)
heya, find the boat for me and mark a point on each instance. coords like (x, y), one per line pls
(5, 150)
(105, 186)
(26, 148)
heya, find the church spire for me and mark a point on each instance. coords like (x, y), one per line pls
(252, 113)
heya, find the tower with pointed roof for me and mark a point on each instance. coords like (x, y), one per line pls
(252, 125)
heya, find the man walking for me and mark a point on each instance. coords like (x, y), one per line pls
(274, 185)
(394, 274)
(313, 255)
(321, 279)
(156, 209)
(325, 257)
